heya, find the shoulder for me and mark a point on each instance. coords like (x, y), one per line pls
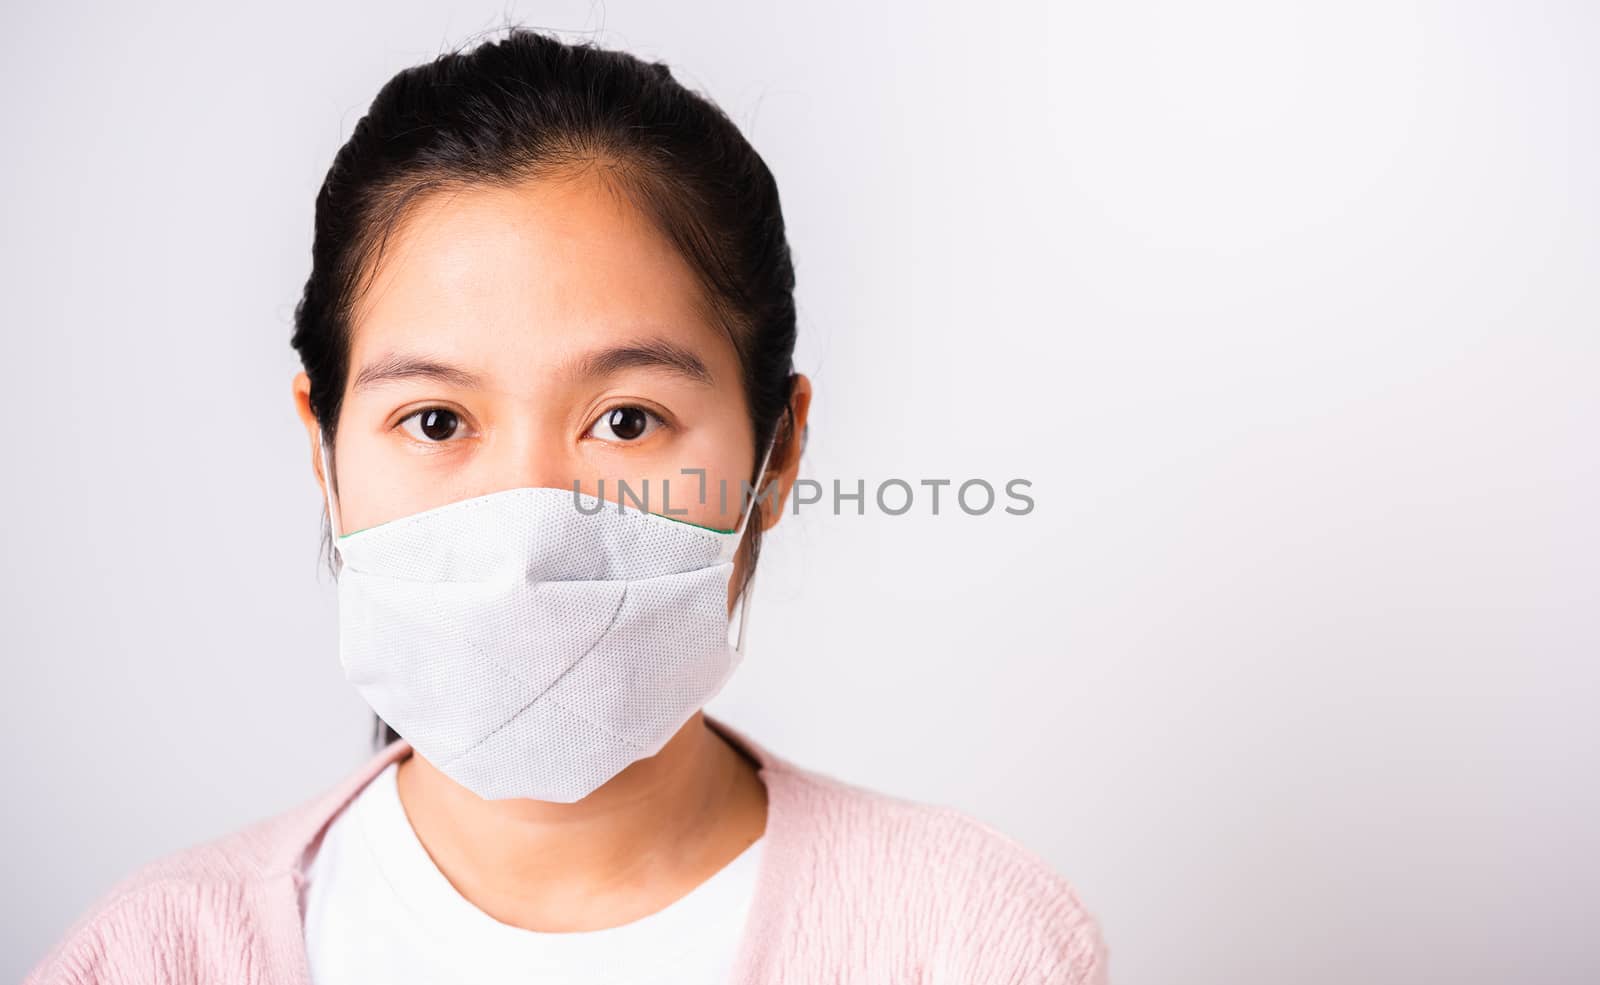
(219, 910)
(980, 899)
(155, 922)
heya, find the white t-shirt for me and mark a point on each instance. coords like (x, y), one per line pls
(379, 910)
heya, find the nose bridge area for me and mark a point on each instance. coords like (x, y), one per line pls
(528, 449)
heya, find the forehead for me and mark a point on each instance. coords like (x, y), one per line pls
(528, 275)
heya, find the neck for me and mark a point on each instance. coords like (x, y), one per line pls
(645, 838)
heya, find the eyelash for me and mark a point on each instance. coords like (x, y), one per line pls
(420, 411)
(661, 422)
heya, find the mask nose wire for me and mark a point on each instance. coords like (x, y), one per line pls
(333, 504)
(738, 538)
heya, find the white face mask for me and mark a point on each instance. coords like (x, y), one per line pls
(527, 648)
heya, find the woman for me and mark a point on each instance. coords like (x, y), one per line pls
(548, 284)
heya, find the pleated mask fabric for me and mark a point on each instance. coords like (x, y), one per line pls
(534, 642)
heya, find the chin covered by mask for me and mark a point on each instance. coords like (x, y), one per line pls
(534, 642)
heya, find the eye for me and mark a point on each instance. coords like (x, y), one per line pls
(623, 424)
(433, 424)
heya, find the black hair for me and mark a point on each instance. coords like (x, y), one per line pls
(530, 106)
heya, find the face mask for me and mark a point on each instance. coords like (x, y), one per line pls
(534, 642)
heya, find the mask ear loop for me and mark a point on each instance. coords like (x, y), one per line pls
(745, 595)
(327, 482)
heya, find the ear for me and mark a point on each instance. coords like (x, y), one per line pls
(785, 462)
(301, 386)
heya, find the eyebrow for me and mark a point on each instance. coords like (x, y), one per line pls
(395, 367)
(653, 353)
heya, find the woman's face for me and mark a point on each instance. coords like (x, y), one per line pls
(542, 335)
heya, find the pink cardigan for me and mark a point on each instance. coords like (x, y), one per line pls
(854, 886)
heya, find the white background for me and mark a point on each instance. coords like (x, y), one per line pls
(1288, 312)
